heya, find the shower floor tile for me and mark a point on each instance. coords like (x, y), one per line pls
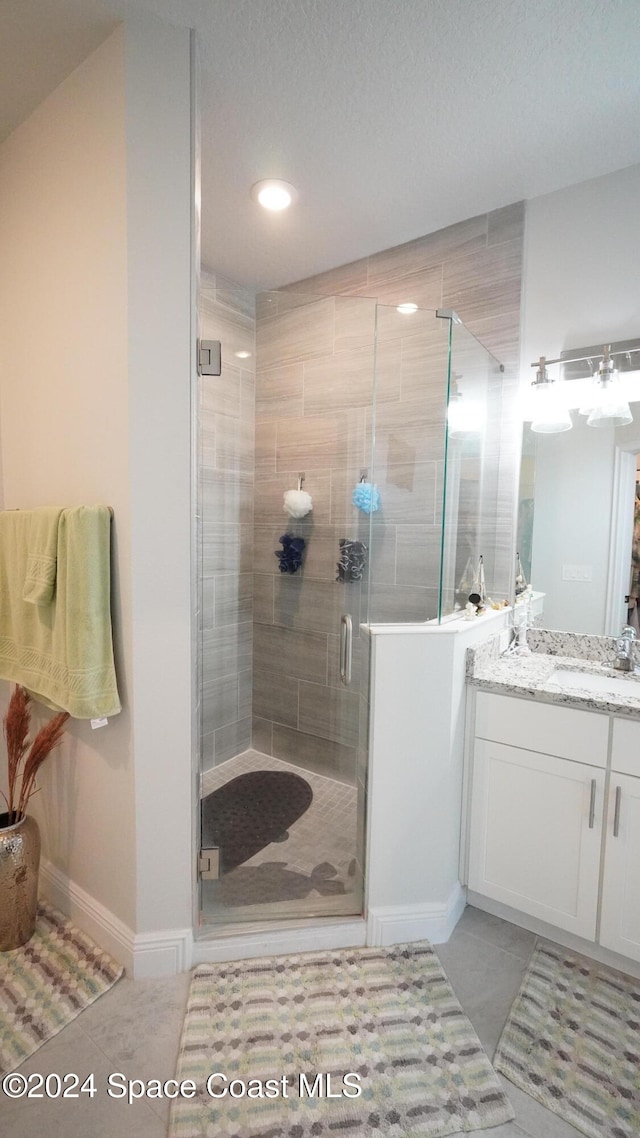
(313, 872)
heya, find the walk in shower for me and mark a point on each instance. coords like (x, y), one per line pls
(343, 400)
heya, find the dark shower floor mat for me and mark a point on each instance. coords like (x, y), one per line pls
(250, 811)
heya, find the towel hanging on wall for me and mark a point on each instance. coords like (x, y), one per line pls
(353, 560)
(60, 650)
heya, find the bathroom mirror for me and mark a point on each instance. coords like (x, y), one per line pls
(577, 512)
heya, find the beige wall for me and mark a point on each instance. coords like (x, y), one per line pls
(96, 303)
(64, 415)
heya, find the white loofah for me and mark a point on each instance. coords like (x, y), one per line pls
(297, 503)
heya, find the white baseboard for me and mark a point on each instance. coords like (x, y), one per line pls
(162, 953)
(275, 942)
(145, 956)
(559, 936)
(400, 924)
(148, 956)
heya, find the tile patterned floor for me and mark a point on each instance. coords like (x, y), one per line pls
(325, 835)
(135, 1028)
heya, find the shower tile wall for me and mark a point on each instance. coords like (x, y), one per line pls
(226, 430)
(313, 414)
(475, 268)
(314, 390)
(276, 682)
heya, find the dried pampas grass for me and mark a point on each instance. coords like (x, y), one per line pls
(23, 767)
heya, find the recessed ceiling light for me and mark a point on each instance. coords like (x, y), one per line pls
(407, 309)
(242, 355)
(274, 194)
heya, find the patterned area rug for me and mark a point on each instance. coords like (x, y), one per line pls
(381, 1019)
(572, 1041)
(47, 983)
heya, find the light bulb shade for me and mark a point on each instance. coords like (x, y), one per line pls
(465, 416)
(610, 407)
(550, 413)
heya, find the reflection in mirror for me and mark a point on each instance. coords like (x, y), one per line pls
(578, 534)
(577, 537)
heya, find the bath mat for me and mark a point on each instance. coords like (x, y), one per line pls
(381, 1019)
(572, 1041)
(250, 811)
(45, 984)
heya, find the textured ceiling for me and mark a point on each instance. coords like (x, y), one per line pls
(392, 117)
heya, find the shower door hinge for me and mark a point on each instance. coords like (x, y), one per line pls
(209, 357)
(209, 864)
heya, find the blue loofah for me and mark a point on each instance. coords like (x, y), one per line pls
(366, 497)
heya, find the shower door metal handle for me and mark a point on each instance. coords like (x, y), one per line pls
(346, 648)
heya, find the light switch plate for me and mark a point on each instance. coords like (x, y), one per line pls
(577, 573)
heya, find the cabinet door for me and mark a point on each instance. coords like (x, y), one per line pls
(536, 831)
(620, 918)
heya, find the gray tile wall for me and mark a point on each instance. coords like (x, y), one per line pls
(226, 471)
(312, 397)
(474, 267)
(314, 390)
(313, 413)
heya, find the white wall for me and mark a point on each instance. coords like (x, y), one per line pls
(582, 266)
(161, 306)
(416, 759)
(95, 379)
(581, 286)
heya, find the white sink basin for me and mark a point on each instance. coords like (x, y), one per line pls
(568, 680)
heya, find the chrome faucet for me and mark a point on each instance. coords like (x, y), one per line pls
(625, 660)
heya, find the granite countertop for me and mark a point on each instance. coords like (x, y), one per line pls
(539, 675)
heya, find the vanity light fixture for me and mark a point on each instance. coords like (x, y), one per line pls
(407, 309)
(550, 413)
(603, 395)
(608, 404)
(274, 194)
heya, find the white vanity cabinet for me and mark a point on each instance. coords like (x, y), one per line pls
(536, 833)
(544, 834)
(620, 917)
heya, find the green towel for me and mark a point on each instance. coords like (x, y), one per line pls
(40, 579)
(62, 652)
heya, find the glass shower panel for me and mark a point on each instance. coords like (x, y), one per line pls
(412, 354)
(284, 747)
(472, 526)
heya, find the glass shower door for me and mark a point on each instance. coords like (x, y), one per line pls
(285, 436)
(474, 527)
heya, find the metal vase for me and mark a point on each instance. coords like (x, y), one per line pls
(19, 864)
